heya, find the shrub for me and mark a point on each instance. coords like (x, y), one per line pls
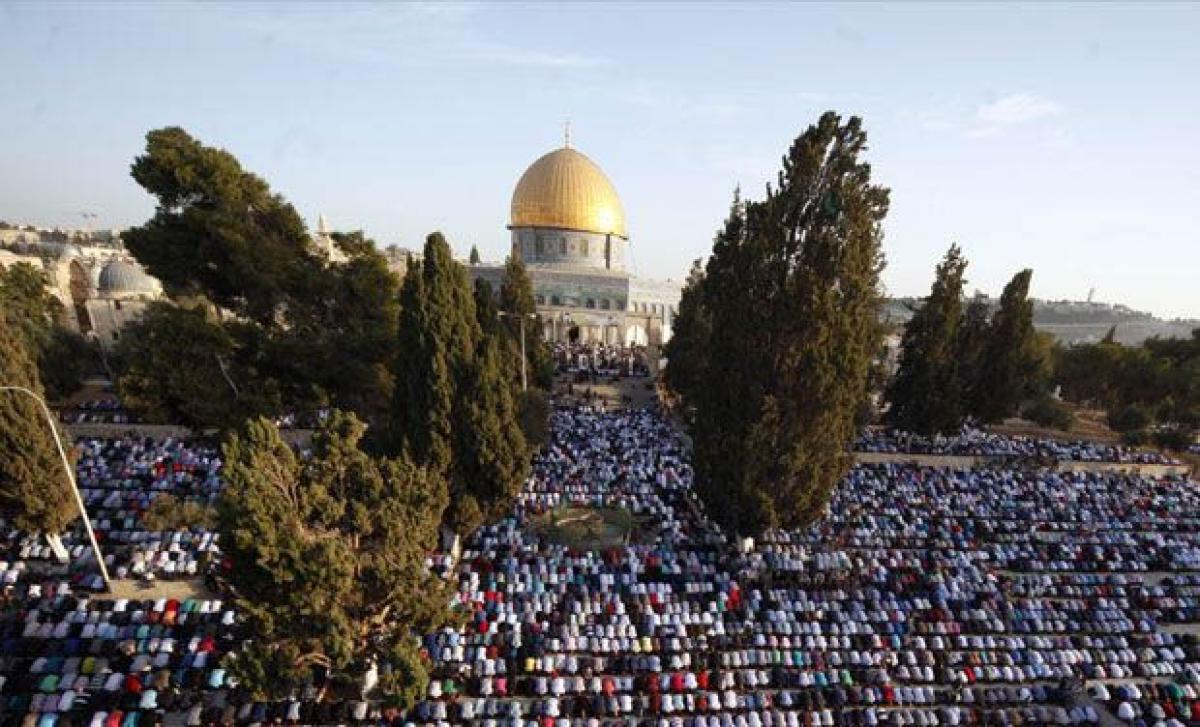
(1049, 412)
(1128, 418)
(1134, 437)
(1173, 438)
(169, 513)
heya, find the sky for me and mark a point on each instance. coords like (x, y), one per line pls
(1057, 136)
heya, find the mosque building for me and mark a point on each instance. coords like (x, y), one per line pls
(568, 227)
(101, 287)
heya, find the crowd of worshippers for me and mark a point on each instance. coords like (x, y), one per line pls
(600, 359)
(925, 596)
(975, 442)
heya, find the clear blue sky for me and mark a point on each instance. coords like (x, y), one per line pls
(1057, 136)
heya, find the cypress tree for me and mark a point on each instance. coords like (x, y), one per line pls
(474, 259)
(926, 395)
(792, 287)
(33, 486)
(438, 331)
(687, 351)
(454, 409)
(491, 460)
(971, 341)
(1011, 358)
(518, 303)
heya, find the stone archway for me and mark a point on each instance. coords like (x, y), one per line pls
(573, 334)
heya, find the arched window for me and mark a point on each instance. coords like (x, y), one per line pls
(554, 300)
(591, 303)
(605, 304)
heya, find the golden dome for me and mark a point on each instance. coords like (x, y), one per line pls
(567, 190)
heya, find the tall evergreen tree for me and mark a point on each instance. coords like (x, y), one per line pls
(438, 331)
(474, 259)
(62, 356)
(518, 303)
(34, 491)
(1011, 360)
(973, 334)
(491, 459)
(926, 395)
(792, 287)
(446, 414)
(687, 351)
(328, 559)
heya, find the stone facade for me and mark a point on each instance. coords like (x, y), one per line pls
(569, 249)
(101, 287)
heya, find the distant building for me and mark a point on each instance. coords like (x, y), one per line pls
(568, 227)
(101, 286)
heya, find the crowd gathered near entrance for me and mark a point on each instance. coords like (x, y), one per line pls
(925, 596)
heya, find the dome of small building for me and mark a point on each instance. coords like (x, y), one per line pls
(121, 277)
(564, 189)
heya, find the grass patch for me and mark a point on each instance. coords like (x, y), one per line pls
(588, 528)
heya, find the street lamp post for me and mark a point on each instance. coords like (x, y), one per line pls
(521, 318)
(62, 453)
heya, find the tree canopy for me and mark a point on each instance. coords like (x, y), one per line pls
(327, 558)
(219, 231)
(62, 356)
(294, 331)
(687, 351)
(1008, 370)
(791, 293)
(34, 490)
(454, 409)
(926, 395)
(1157, 382)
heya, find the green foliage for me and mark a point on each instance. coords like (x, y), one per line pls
(1177, 438)
(1008, 372)
(328, 558)
(63, 356)
(1129, 418)
(491, 459)
(454, 409)
(306, 333)
(474, 259)
(218, 230)
(64, 360)
(181, 367)
(518, 304)
(1135, 437)
(791, 289)
(1048, 412)
(1159, 379)
(170, 513)
(927, 394)
(34, 490)
(687, 351)
(438, 330)
(533, 408)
